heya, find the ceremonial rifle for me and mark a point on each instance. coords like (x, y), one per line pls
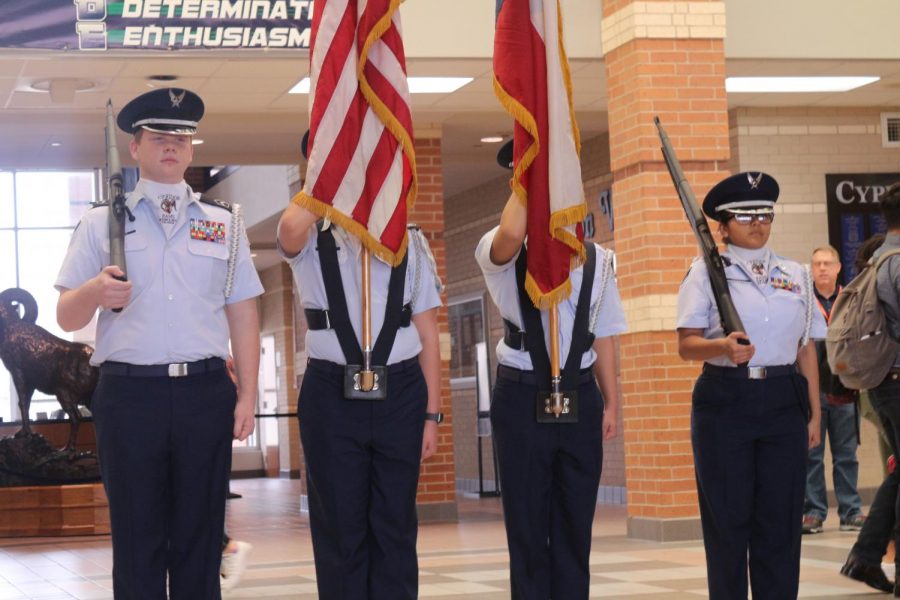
(115, 195)
(731, 321)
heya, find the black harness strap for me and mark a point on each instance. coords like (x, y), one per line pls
(340, 316)
(582, 336)
(393, 314)
(531, 318)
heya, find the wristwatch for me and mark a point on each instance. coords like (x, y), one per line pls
(437, 417)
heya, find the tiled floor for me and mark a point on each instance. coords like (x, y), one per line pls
(460, 561)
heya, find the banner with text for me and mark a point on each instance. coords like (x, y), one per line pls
(98, 25)
(854, 213)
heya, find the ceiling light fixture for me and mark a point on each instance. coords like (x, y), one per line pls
(417, 85)
(492, 139)
(56, 144)
(756, 85)
(62, 90)
(196, 141)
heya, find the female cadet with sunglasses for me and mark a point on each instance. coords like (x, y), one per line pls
(750, 421)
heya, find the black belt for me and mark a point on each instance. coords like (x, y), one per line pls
(513, 336)
(527, 377)
(319, 318)
(333, 368)
(750, 372)
(206, 365)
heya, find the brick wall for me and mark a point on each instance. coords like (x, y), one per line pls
(437, 482)
(682, 82)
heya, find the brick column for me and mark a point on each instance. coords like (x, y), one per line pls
(436, 497)
(667, 59)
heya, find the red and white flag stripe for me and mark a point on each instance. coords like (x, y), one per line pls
(361, 171)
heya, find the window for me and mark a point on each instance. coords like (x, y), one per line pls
(466, 321)
(38, 211)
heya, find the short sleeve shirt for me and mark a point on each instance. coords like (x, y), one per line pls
(501, 284)
(177, 307)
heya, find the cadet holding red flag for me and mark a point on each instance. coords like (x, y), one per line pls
(369, 404)
(555, 293)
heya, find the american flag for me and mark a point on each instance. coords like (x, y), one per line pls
(361, 172)
(532, 81)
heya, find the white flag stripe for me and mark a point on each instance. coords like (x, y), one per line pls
(352, 186)
(565, 190)
(389, 194)
(328, 24)
(332, 120)
(383, 59)
(537, 8)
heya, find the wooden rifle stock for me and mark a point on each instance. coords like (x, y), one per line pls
(731, 321)
(115, 195)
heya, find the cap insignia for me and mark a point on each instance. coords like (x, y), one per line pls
(176, 99)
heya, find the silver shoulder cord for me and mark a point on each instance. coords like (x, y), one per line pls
(809, 304)
(237, 232)
(421, 248)
(606, 271)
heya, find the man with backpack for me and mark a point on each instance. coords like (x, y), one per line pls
(864, 561)
(839, 419)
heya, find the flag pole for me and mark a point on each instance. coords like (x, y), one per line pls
(367, 376)
(556, 396)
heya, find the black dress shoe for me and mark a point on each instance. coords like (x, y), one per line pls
(871, 575)
(896, 591)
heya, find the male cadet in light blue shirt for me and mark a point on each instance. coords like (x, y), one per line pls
(750, 424)
(550, 472)
(363, 454)
(165, 409)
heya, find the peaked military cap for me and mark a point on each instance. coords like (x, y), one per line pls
(505, 155)
(742, 193)
(166, 110)
(304, 145)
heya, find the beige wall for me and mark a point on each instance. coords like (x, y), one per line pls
(799, 146)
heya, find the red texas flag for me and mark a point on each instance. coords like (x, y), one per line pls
(532, 81)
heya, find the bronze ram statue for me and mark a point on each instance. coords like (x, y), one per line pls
(38, 360)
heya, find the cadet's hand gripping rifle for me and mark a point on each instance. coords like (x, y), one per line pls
(116, 197)
(731, 321)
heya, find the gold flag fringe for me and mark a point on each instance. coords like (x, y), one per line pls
(355, 228)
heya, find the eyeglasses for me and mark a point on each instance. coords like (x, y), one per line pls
(745, 219)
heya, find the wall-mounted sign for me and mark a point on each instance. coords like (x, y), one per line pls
(98, 25)
(854, 213)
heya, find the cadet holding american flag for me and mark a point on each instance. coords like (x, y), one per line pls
(369, 406)
(555, 293)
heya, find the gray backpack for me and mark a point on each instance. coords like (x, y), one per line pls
(861, 350)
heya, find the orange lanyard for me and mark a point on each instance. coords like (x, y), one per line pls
(822, 308)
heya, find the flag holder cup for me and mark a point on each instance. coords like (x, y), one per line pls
(558, 406)
(365, 382)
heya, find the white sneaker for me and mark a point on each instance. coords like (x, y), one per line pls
(233, 565)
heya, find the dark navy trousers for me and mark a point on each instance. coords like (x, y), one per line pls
(879, 527)
(549, 474)
(165, 453)
(362, 465)
(750, 441)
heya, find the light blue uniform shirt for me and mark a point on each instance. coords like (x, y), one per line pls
(775, 315)
(421, 289)
(501, 283)
(177, 308)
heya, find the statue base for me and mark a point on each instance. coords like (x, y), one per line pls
(54, 510)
